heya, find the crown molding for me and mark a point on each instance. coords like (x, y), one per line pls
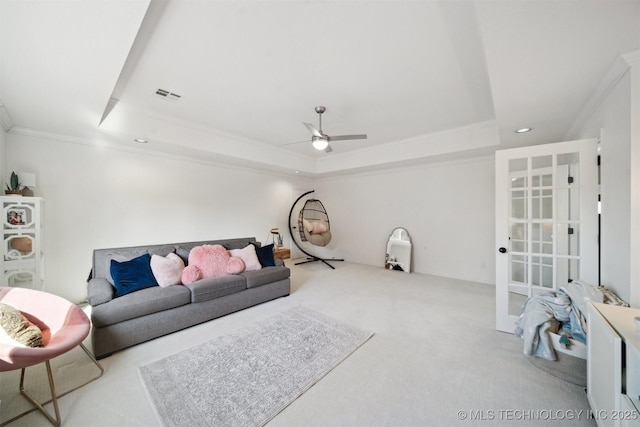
(169, 151)
(5, 119)
(481, 135)
(50, 135)
(632, 58)
(615, 73)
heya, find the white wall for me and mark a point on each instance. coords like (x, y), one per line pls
(612, 122)
(447, 207)
(3, 157)
(98, 198)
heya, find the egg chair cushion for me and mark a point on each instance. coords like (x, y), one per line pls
(321, 239)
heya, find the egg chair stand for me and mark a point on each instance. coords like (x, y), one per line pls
(312, 215)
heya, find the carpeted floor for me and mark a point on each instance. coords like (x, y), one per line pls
(435, 360)
(248, 377)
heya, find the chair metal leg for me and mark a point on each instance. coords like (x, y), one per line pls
(95, 362)
(54, 397)
(324, 260)
(38, 405)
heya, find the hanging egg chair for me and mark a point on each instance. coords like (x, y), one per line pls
(312, 226)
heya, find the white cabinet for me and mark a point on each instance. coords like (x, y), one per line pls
(613, 365)
(21, 259)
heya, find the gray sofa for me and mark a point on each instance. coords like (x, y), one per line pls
(118, 323)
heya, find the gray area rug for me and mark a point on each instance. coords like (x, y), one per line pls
(248, 377)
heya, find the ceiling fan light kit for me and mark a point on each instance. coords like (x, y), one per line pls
(319, 143)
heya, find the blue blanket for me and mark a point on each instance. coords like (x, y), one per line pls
(553, 311)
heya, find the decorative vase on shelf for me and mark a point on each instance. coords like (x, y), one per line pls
(13, 192)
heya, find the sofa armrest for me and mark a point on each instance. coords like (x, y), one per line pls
(99, 291)
(278, 262)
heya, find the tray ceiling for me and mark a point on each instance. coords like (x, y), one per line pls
(424, 79)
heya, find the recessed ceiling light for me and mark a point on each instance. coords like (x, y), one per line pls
(523, 130)
(140, 140)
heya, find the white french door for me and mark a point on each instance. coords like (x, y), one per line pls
(546, 222)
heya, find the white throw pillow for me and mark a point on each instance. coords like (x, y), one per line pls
(167, 270)
(249, 256)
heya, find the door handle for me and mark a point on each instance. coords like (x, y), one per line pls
(502, 250)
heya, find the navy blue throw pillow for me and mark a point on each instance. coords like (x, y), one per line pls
(133, 275)
(265, 255)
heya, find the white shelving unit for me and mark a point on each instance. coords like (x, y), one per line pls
(613, 365)
(21, 259)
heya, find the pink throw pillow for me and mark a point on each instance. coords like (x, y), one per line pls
(319, 227)
(210, 261)
(167, 270)
(191, 274)
(307, 226)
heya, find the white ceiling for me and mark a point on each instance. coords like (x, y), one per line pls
(423, 79)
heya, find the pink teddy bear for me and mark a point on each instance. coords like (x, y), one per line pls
(210, 261)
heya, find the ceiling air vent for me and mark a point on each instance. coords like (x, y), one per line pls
(165, 94)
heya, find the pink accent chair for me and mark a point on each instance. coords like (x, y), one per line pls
(64, 326)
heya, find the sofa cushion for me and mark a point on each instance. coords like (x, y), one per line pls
(133, 275)
(265, 275)
(99, 291)
(141, 303)
(238, 243)
(161, 250)
(183, 253)
(318, 239)
(215, 287)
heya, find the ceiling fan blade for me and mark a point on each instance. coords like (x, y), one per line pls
(295, 142)
(328, 149)
(346, 137)
(313, 130)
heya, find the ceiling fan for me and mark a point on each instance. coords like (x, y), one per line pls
(320, 140)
